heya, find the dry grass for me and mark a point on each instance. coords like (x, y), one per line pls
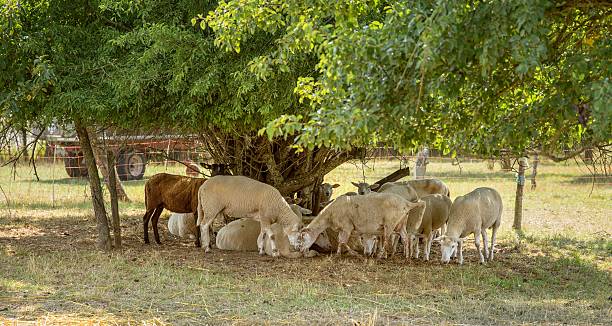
(50, 272)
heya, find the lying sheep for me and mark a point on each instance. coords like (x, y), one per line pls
(437, 209)
(176, 193)
(473, 213)
(364, 188)
(241, 235)
(370, 214)
(182, 225)
(242, 196)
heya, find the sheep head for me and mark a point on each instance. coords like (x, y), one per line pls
(365, 188)
(327, 189)
(369, 243)
(305, 239)
(448, 246)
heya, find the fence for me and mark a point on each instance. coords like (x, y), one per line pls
(57, 188)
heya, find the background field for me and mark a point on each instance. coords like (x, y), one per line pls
(50, 271)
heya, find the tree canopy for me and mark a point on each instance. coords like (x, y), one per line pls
(474, 76)
(470, 75)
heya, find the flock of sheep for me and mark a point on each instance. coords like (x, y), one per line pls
(371, 220)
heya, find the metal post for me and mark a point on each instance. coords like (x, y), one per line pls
(53, 176)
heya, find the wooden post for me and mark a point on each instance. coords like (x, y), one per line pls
(97, 199)
(112, 182)
(518, 203)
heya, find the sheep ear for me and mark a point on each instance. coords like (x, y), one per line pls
(335, 185)
(355, 184)
(374, 186)
(305, 211)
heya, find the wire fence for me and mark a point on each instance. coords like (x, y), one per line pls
(62, 174)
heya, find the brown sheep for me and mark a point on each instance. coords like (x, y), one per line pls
(176, 193)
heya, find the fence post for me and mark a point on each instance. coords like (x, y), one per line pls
(53, 176)
(518, 203)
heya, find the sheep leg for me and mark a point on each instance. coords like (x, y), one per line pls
(493, 236)
(460, 250)
(382, 254)
(477, 244)
(394, 242)
(154, 220)
(427, 249)
(404, 236)
(343, 237)
(261, 238)
(485, 243)
(417, 249)
(145, 224)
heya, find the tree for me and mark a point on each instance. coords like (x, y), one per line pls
(437, 72)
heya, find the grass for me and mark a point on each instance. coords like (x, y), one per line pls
(50, 271)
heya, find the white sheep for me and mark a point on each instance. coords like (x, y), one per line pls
(437, 209)
(374, 213)
(242, 196)
(473, 213)
(327, 190)
(414, 218)
(182, 225)
(241, 235)
(425, 187)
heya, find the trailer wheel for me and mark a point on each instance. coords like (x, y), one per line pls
(131, 165)
(74, 162)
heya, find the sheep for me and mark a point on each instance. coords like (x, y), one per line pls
(425, 187)
(364, 188)
(242, 196)
(176, 193)
(414, 218)
(437, 209)
(473, 213)
(241, 235)
(369, 214)
(182, 225)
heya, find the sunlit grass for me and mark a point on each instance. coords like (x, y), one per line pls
(49, 269)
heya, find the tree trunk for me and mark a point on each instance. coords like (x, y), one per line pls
(24, 143)
(534, 171)
(518, 203)
(104, 242)
(99, 152)
(112, 189)
(400, 173)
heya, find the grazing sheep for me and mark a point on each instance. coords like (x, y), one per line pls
(182, 225)
(473, 213)
(241, 235)
(364, 188)
(176, 193)
(242, 196)
(437, 209)
(370, 214)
